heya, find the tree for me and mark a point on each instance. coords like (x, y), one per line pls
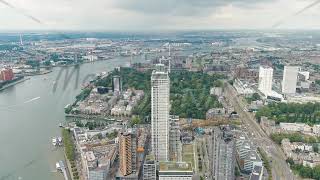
(135, 120)
(316, 148)
(218, 83)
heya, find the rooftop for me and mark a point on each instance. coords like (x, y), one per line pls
(175, 166)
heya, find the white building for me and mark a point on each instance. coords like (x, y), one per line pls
(304, 75)
(290, 78)
(252, 160)
(116, 84)
(296, 127)
(160, 92)
(265, 80)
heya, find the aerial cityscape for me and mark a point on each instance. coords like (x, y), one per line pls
(174, 104)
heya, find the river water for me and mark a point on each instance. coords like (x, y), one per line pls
(30, 113)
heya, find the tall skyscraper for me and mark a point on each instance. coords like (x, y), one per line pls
(290, 78)
(128, 152)
(265, 80)
(160, 92)
(116, 84)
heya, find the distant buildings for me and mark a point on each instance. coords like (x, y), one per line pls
(242, 72)
(290, 78)
(265, 80)
(223, 152)
(6, 74)
(175, 171)
(160, 92)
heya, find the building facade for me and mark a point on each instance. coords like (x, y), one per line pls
(6, 74)
(223, 152)
(290, 78)
(149, 168)
(160, 92)
(175, 171)
(175, 145)
(127, 153)
(116, 84)
(265, 80)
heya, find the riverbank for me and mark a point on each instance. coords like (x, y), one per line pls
(13, 83)
(40, 125)
(95, 117)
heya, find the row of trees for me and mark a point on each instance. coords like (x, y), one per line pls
(253, 97)
(305, 171)
(266, 163)
(293, 137)
(292, 112)
(189, 91)
(84, 94)
(68, 144)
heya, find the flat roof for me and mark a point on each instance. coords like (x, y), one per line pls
(172, 166)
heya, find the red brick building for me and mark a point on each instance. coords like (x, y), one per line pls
(6, 74)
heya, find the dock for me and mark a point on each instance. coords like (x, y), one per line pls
(60, 166)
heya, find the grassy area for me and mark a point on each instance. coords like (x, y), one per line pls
(188, 154)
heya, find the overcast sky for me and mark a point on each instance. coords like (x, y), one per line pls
(126, 15)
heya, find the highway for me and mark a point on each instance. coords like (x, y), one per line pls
(280, 169)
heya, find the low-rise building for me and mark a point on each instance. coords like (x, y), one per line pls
(215, 112)
(257, 173)
(296, 127)
(175, 171)
(149, 168)
(251, 160)
(246, 154)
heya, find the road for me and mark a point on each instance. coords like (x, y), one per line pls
(280, 169)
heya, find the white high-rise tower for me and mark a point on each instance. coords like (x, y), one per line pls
(290, 78)
(160, 104)
(265, 80)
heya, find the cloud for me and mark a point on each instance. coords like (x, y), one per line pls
(20, 11)
(182, 7)
(147, 15)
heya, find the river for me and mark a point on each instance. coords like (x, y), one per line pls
(30, 113)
